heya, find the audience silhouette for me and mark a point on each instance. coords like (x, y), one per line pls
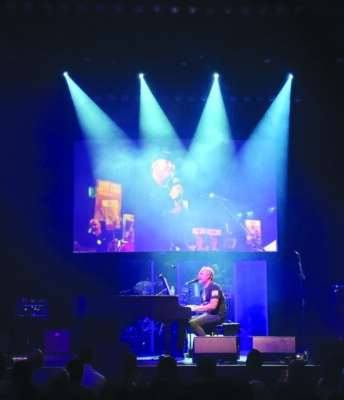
(293, 383)
(4, 381)
(249, 382)
(92, 378)
(77, 390)
(40, 375)
(330, 383)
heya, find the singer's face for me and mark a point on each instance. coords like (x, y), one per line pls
(162, 170)
(203, 276)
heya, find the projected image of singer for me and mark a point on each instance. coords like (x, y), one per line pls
(160, 208)
(212, 308)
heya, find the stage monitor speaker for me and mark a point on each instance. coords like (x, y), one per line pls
(275, 348)
(223, 348)
(56, 341)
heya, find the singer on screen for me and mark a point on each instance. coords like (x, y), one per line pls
(159, 206)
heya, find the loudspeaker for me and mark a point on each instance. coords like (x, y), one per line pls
(56, 341)
(223, 348)
(275, 348)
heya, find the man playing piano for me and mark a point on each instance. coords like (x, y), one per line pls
(212, 310)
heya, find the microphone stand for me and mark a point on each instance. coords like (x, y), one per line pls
(303, 303)
(335, 289)
(229, 208)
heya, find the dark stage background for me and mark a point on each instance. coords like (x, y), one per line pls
(253, 45)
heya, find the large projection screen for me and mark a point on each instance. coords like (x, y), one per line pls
(207, 201)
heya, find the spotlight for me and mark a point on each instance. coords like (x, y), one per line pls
(65, 7)
(216, 75)
(141, 75)
(28, 5)
(11, 5)
(157, 8)
(175, 9)
(245, 10)
(65, 74)
(100, 7)
(139, 9)
(82, 7)
(192, 10)
(117, 8)
(228, 10)
(47, 7)
(210, 10)
(262, 10)
(280, 10)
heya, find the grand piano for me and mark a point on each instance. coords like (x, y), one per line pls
(112, 314)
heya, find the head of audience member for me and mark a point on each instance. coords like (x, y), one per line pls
(59, 382)
(296, 371)
(254, 359)
(207, 367)
(36, 358)
(167, 368)
(128, 363)
(76, 370)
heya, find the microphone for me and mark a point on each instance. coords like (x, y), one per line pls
(192, 281)
(176, 181)
(215, 196)
(169, 265)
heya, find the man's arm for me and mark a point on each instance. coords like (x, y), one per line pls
(205, 307)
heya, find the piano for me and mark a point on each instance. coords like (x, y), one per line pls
(123, 311)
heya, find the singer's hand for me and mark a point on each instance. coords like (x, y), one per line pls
(95, 226)
(176, 191)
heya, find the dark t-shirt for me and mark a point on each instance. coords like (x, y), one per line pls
(156, 227)
(214, 291)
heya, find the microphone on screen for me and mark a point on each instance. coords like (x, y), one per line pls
(192, 281)
(215, 196)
